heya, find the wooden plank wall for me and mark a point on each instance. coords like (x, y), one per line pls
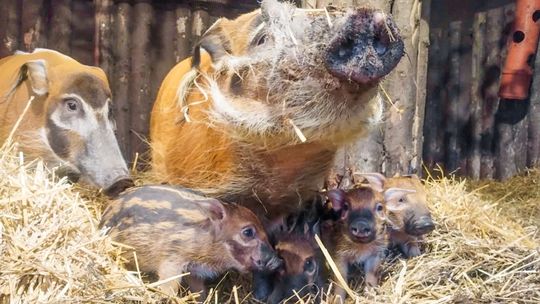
(441, 105)
(394, 145)
(468, 129)
(136, 42)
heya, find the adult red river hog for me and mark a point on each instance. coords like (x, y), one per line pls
(258, 113)
(69, 121)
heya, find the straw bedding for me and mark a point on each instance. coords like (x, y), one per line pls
(486, 248)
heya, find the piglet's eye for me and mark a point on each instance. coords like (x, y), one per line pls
(71, 105)
(309, 265)
(379, 207)
(248, 232)
(401, 200)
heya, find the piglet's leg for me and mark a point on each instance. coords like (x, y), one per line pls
(410, 248)
(262, 285)
(196, 284)
(340, 293)
(169, 269)
(371, 269)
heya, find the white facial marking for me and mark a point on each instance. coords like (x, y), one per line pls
(82, 125)
(251, 113)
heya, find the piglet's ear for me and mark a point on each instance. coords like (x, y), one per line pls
(337, 198)
(375, 180)
(392, 197)
(214, 208)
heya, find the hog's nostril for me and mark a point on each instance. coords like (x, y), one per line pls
(379, 46)
(346, 49)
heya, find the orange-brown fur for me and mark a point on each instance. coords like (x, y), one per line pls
(272, 174)
(12, 103)
(346, 251)
(68, 122)
(303, 268)
(415, 206)
(174, 230)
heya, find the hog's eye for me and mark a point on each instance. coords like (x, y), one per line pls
(71, 104)
(248, 232)
(309, 265)
(379, 207)
(401, 200)
(261, 40)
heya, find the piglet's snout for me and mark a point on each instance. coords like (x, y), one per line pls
(421, 226)
(268, 260)
(365, 48)
(361, 229)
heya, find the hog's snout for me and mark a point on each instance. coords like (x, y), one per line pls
(119, 186)
(421, 226)
(362, 230)
(365, 48)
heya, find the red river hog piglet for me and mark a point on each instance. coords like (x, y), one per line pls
(174, 230)
(408, 215)
(302, 273)
(358, 237)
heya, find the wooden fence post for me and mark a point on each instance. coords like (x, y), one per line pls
(139, 88)
(121, 75)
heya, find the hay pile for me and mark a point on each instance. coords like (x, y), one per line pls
(52, 251)
(486, 247)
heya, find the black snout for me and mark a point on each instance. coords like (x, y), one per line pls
(119, 186)
(366, 48)
(72, 174)
(362, 229)
(421, 226)
(288, 287)
(269, 259)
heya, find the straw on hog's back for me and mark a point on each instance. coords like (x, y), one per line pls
(258, 113)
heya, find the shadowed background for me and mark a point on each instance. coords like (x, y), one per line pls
(441, 106)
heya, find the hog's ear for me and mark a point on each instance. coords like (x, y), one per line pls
(395, 198)
(375, 180)
(36, 71)
(214, 41)
(337, 198)
(214, 208)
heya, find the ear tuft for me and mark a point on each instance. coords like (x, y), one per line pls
(212, 41)
(36, 71)
(272, 9)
